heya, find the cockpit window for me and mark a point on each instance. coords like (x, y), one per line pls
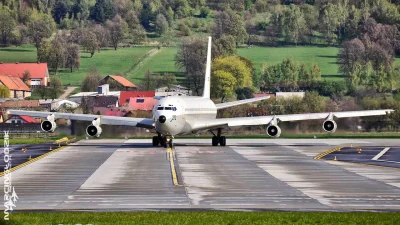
(160, 108)
(168, 108)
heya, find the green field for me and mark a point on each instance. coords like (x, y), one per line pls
(211, 217)
(108, 61)
(123, 60)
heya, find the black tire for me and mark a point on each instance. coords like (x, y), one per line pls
(164, 142)
(215, 141)
(155, 141)
(222, 141)
(170, 145)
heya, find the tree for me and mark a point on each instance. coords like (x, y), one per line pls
(148, 82)
(229, 23)
(26, 77)
(37, 30)
(168, 79)
(351, 53)
(73, 58)
(4, 92)
(244, 93)
(315, 73)
(55, 87)
(102, 36)
(313, 102)
(294, 24)
(60, 10)
(90, 43)
(91, 80)
(191, 58)
(222, 84)
(56, 55)
(7, 26)
(117, 29)
(224, 46)
(42, 91)
(304, 76)
(43, 52)
(290, 73)
(161, 24)
(330, 23)
(103, 10)
(237, 68)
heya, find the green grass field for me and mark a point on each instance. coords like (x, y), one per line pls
(212, 217)
(108, 61)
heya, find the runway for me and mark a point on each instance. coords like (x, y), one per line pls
(248, 174)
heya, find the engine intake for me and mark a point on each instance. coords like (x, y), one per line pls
(274, 131)
(329, 126)
(48, 126)
(92, 131)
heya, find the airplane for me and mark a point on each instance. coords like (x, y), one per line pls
(186, 115)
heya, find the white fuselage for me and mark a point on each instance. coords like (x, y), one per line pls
(181, 113)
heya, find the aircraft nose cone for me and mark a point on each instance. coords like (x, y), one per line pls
(162, 119)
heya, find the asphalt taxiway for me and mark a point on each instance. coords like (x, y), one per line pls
(248, 174)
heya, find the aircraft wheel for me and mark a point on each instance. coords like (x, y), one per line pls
(222, 140)
(215, 141)
(164, 142)
(155, 141)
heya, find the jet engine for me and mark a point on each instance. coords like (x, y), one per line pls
(274, 131)
(48, 126)
(93, 130)
(329, 126)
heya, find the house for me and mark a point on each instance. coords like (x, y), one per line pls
(18, 89)
(289, 94)
(126, 95)
(57, 104)
(102, 90)
(175, 90)
(20, 104)
(142, 103)
(118, 83)
(39, 73)
(21, 119)
(110, 111)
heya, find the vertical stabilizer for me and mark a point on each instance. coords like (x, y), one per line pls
(206, 90)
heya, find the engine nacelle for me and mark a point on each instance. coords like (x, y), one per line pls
(48, 126)
(329, 126)
(93, 130)
(274, 131)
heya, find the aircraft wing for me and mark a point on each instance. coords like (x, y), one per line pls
(263, 120)
(241, 102)
(108, 120)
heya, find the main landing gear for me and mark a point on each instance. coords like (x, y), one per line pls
(218, 139)
(163, 141)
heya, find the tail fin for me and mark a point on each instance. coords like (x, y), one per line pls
(206, 90)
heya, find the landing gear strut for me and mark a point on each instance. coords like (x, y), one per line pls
(163, 141)
(218, 139)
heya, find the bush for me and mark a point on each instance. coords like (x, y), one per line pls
(204, 11)
(184, 29)
(329, 88)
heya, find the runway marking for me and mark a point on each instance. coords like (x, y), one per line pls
(327, 152)
(380, 154)
(33, 160)
(173, 171)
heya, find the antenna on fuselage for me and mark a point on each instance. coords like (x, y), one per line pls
(206, 90)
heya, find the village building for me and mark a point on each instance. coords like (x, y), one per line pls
(20, 104)
(39, 73)
(21, 119)
(18, 89)
(174, 90)
(118, 83)
(125, 96)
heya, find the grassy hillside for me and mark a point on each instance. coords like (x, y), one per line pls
(108, 61)
(125, 60)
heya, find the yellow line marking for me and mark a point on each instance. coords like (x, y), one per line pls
(32, 161)
(173, 171)
(328, 152)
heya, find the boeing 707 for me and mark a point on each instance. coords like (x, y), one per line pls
(185, 115)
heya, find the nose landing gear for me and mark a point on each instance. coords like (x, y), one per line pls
(163, 141)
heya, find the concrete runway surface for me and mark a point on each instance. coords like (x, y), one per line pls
(248, 174)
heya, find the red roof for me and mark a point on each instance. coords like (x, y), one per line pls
(27, 119)
(123, 81)
(126, 95)
(139, 103)
(20, 104)
(37, 70)
(14, 83)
